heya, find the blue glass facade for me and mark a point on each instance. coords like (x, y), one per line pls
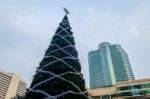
(121, 64)
(96, 71)
(108, 65)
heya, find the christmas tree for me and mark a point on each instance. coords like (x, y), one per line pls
(59, 73)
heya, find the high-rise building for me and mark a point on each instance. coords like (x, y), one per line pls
(11, 85)
(108, 65)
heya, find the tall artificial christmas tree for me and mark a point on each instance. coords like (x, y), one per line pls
(59, 73)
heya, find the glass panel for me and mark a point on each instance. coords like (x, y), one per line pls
(123, 88)
(135, 93)
(146, 92)
(106, 97)
(146, 85)
(136, 87)
(125, 94)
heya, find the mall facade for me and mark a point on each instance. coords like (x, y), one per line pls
(135, 89)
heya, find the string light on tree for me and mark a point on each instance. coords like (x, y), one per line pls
(59, 73)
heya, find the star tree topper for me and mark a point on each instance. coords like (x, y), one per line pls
(66, 11)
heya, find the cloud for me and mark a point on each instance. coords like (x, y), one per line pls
(135, 24)
(21, 45)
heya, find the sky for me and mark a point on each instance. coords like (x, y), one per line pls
(27, 26)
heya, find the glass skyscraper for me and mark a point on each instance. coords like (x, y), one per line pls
(108, 65)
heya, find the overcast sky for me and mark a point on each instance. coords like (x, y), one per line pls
(27, 26)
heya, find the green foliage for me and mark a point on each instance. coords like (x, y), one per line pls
(18, 97)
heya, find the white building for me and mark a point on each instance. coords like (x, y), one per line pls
(11, 85)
